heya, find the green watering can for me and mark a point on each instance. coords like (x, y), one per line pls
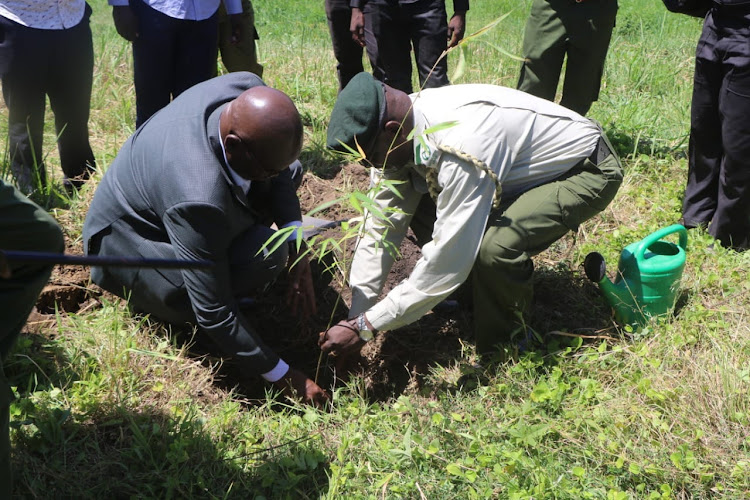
(648, 276)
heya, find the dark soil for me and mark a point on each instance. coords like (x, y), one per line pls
(396, 361)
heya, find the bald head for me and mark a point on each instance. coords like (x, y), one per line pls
(262, 132)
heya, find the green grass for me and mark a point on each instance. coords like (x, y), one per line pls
(111, 405)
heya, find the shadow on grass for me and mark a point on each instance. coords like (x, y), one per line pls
(119, 452)
(38, 363)
(112, 450)
(683, 298)
(566, 301)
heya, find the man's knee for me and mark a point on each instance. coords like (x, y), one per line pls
(501, 246)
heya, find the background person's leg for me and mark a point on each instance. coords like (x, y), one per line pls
(70, 99)
(544, 44)
(242, 56)
(705, 150)
(388, 44)
(731, 220)
(347, 52)
(154, 60)
(590, 26)
(429, 34)
(195, 53)
(24, 57)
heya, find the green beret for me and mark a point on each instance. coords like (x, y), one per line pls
(358, 113)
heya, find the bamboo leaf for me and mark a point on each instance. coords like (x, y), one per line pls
(504, 52)
(277, 239)
(439, 127)
(481, 31)
(327, 204)
(461, 65)
(355, 202)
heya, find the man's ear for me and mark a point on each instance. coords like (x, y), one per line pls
(231, 142)
(392, 126)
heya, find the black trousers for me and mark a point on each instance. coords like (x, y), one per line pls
(170, 56)
(348, 54)
(393, 29)
(718, 187)
(58, 64)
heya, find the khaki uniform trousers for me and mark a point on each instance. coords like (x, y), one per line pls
(244, 55)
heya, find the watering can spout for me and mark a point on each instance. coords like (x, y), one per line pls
(618, 295)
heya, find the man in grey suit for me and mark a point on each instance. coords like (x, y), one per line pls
(205, 178)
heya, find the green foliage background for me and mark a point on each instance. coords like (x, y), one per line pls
(110, 406)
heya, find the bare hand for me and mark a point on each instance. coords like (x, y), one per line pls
(300, 296)
(295, 384)
(126, 22)
(235, 22)
(456, 28)
(357, 27)
(342, 338)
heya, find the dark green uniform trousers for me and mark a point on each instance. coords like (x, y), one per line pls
(502, 276)
(579, 29)
(523, 227)
(23, 226)
(242, 56)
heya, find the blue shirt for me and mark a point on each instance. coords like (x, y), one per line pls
(189, 10)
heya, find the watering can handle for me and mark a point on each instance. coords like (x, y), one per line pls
(662, 233)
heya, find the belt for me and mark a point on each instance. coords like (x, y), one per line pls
(601, 151)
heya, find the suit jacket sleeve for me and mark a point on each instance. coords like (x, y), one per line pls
(200, 231)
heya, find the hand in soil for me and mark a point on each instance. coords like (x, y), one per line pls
(341, 338)
(295, 384)
(300, 296)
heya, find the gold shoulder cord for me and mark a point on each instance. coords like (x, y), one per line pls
(431, 174)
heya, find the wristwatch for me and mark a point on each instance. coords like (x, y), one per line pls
(364, 333)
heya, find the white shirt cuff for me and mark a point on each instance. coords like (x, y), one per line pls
(278, 371)
(293, 234)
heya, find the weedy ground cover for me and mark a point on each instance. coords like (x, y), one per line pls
(111, 404)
